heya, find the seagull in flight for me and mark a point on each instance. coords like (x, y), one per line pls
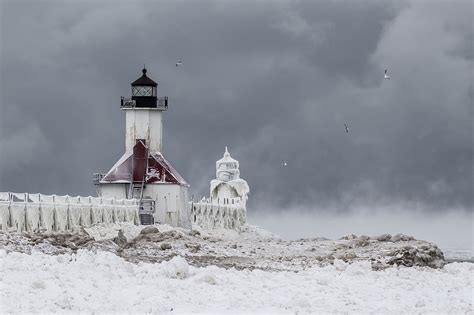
(347, 128)
(284, 163)
(386, 76)
(179, 63)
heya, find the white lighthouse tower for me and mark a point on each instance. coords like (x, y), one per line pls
(142, 172)
(144, 114)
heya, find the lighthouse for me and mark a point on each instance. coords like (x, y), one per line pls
(143, 173)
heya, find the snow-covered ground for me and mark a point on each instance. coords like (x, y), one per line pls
(250, 248)
(104, 282)
(165, 269)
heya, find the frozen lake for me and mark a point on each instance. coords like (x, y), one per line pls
(458, 255)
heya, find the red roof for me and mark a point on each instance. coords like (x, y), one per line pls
(141, 164)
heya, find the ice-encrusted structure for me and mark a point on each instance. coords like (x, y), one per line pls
(226, 206)
(226, 213)
(228, 183)
(35, 212)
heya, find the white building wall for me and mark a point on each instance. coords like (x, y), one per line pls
(170, 203)
(143, 124)
(114, 191)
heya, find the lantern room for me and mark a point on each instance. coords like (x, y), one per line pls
(144, 94)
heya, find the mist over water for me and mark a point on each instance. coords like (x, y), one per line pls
(449, 229)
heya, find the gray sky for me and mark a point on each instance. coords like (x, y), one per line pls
(272, 80)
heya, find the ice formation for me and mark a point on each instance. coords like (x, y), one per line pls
(228, 183)
(226, 206)
(227, 213)
(35, 212)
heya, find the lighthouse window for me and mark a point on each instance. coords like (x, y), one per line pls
(142, 91)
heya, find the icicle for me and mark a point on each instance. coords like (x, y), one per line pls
(74, 215)
(61, 216)
(18, 216)
(119, 213)
(86, 214)
(47, 214)
(5, 214)
(119, 210)
(32, 217)
(108, 212)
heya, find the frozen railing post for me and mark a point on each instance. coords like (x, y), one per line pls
(32, 213)
(18, 211)
(5, 210)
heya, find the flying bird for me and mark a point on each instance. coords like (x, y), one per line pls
(347, 128)
(179, 63)
(284, 163)
(386, 76)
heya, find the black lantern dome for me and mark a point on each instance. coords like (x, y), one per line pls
(144, 91)
(144, 95)
(144, 80)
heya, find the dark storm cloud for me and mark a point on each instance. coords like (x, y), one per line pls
(272, 80)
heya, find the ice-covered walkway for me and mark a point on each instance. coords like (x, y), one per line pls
(103, 282)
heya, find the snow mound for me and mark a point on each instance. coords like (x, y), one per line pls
(177, 268)
(107, 231)
(207, 277)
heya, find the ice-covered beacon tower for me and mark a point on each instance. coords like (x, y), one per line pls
(143, 173)
(228, 184)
